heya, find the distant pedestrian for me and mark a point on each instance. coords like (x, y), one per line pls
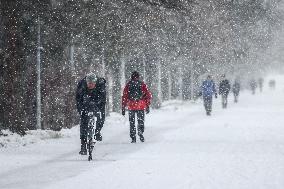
(272, 84)
(136, 97)
(253, 85)
(260, 83)
(236, 90)
(208, 90)
(224, 89)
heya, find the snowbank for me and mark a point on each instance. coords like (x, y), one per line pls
(33, 136)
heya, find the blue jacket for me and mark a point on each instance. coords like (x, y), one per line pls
(208, 88)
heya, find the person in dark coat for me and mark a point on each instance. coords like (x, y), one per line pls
(136, 97)
(272, 84)
(236, 90)
(260, 83)
(253, 85)
(208, 90)
(91, 97)
(224, 89)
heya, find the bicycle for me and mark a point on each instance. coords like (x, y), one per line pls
(90, 134)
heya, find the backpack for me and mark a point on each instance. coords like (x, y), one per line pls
(101, 84)
(135, 90)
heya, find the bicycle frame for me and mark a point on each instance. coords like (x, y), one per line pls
(90, 135)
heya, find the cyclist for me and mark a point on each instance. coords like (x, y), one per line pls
(90, 97)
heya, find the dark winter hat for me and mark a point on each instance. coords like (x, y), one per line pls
(135, 75)
(91, 78)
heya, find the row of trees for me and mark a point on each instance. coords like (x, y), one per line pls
(172, 43)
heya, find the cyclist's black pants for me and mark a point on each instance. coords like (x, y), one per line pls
(100, 121)
(84, 126)
(85, 121)
(140, 119)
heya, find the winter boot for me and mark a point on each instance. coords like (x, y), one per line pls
(98, 137)
(141, 138)
(83, 147)
(133, 140)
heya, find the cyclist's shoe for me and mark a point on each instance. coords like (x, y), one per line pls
(141, 138)
(133, 140)
(83, 150)
(98, 137)
(93, 144)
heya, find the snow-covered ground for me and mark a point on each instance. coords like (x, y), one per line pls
(241, 147)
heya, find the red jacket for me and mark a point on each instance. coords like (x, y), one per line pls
(136, 104)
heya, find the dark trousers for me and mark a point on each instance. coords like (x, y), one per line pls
(84, 126)
(236, 96)
(207, 103)
(224, 100)
(253, 90)
(140, 119)
(100, 122)
(100, 118)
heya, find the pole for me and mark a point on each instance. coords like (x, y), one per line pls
(191, 81)
(180, 85)
(159, 80)
(144, 68)
(38, 104)
(122, 81)
(72, 63)
(170, 84)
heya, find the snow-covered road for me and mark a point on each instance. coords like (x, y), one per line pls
(241, 147)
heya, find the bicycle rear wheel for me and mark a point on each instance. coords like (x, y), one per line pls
(90, 143)
(90, 149)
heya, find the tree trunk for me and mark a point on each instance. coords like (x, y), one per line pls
(13, 104)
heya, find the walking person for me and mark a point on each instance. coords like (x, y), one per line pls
(208, 90)
(260, 83)
(136, 97)
(224, 89)
(236, 90)
(253, 85)
(90, 98)
(272, 84)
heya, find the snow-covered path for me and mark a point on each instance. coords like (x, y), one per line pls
(241, 147)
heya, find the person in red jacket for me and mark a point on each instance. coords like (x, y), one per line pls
(136, 97)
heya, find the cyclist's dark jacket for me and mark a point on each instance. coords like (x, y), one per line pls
(91, 100)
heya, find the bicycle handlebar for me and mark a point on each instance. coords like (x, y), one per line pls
(96, 114)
